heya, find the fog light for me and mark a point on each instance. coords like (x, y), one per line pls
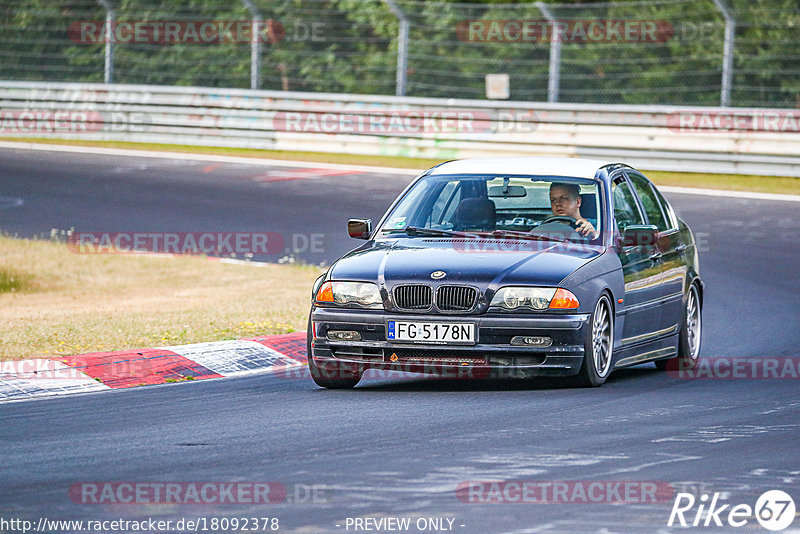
(532, 341)
(344, 335)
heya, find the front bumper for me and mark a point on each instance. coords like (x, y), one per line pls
(492, 355)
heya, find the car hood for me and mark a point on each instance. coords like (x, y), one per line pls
(487, 263)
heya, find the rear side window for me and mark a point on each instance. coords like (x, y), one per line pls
(626, 212)
(666, 207)
(650, 203)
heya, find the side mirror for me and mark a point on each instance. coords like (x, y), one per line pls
(639, 235)
(359, 228)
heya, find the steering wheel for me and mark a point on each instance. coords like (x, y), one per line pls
(573, 223)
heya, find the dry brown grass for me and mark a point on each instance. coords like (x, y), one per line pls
(54, 302)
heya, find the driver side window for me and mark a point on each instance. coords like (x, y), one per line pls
(626, 212)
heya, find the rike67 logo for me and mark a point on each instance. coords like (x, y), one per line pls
(774, 510)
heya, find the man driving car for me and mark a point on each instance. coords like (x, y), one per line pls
(565, 201)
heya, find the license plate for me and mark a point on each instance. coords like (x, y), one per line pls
(419, 332)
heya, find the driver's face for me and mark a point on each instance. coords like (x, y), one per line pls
(563, 203)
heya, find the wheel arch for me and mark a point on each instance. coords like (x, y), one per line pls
(695, 280)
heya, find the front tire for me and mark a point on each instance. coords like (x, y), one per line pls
(689, 336)
(599, 345)
(331, 378)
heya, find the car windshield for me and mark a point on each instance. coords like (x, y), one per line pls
(515, 206)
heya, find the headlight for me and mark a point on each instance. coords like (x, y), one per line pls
(535, 298)
(364, 294)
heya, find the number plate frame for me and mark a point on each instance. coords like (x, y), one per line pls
(436, 334)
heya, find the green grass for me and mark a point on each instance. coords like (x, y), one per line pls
(785, 185)
(735, 182)
(320, 157)
(12, 280)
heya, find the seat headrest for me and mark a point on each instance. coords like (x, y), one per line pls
(588, 206)
(477, 213)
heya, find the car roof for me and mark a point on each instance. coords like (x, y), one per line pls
(549, 166)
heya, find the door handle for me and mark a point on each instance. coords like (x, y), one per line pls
(655, 255)
(681, 247)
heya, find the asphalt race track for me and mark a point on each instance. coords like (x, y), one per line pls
(121, 194)
(401, 446)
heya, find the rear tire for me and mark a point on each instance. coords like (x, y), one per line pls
(689, 336)
(334, 377)
(599, 345)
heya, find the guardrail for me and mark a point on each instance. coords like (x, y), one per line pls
(715, 140)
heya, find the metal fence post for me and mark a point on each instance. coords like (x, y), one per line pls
(727, 54)
(554, 77)
(257, 22)
(108, 71)
(402, 47)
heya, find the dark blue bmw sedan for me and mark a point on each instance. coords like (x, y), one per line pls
(512, 267)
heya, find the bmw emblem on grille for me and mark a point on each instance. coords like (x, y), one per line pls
(438, 275)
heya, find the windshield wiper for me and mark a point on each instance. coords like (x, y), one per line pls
(416, 230)
(525, 235)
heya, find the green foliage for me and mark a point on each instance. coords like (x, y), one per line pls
(351, 46)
